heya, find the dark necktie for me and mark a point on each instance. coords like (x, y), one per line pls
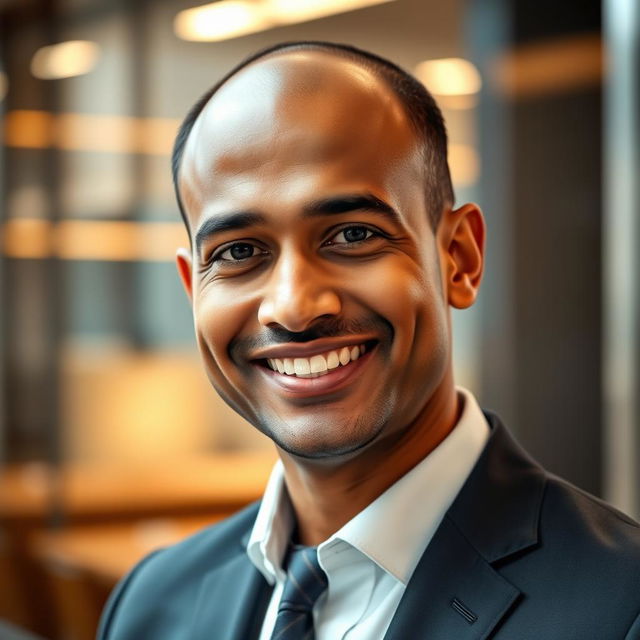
(305, 583)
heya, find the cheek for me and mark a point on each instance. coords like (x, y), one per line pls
(409, 296)
(220, 316)
(405, 293)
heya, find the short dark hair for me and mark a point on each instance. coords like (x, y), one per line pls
(419, 104)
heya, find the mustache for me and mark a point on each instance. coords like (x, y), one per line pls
(323, 328)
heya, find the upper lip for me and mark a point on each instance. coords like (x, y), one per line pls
(308, 349)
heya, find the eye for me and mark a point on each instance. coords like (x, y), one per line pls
(237, 252)
(349, 235)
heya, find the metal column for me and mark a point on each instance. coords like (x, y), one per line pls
(621, 252)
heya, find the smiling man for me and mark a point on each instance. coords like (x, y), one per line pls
(325, 255)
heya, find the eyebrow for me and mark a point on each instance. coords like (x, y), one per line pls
(347, 203)
(227, 222)
(333, 205)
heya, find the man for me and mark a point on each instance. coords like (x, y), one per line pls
(325, 254)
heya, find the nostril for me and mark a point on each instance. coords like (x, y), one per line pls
(295, 309)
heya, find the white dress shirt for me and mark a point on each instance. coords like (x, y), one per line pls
(369, 561)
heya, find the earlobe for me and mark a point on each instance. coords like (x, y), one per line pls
(464, 247)
(184, 265)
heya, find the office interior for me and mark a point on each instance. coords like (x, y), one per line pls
(112, 442)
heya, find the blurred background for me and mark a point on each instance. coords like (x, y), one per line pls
(111, 441)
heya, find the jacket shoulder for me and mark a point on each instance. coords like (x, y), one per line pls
(167, 580)
(213, 545)
(572, 513)
(582, 577)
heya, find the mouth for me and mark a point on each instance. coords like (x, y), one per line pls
(320, 373)
(320, 364)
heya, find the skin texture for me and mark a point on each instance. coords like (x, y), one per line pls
(304, 142)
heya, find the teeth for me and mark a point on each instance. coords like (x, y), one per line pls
(301, 366)
(317, 365)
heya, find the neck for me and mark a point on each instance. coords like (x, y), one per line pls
(326, 496)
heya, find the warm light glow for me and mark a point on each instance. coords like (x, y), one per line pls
(449, 77)
(459, 103)
(92, 240)
(84, 132)
(95, 240)
(27, 238)
(28, 129)
(464, 164)
(288, 11)
(232, 18)
(551, 67)
(78, 131)
(221, 20)
(64, 60)
(105, 240)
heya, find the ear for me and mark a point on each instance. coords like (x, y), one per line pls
(184, 264)
(461, 235)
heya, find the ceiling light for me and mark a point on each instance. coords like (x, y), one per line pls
(287, 11)
(449, 77)
(232, 18)
(221, 20)
(64, 60)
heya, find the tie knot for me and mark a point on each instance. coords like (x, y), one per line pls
(305, 580)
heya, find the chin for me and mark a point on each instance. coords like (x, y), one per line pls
(309, 438)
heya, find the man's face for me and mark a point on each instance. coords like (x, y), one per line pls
(315, 280)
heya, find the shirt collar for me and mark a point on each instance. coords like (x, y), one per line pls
(418, 500)
(395, 529)
(272, 529)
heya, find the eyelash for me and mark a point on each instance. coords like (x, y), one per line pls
(373, 233)
(217, 257)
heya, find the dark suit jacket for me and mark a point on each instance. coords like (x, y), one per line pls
(520, 555)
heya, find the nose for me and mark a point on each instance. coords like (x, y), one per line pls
(297, 294)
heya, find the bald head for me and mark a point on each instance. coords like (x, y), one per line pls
(306, 107)
(259, 91)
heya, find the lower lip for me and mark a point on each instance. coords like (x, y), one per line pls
(335, 380)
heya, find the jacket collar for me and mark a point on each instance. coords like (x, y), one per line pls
(456, 590)
(498, 508)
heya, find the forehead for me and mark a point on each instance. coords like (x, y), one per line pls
(294, 111)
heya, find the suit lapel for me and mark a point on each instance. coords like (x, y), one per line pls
(453, 593)
(498, 508)
(456, 591)
(232, 602)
